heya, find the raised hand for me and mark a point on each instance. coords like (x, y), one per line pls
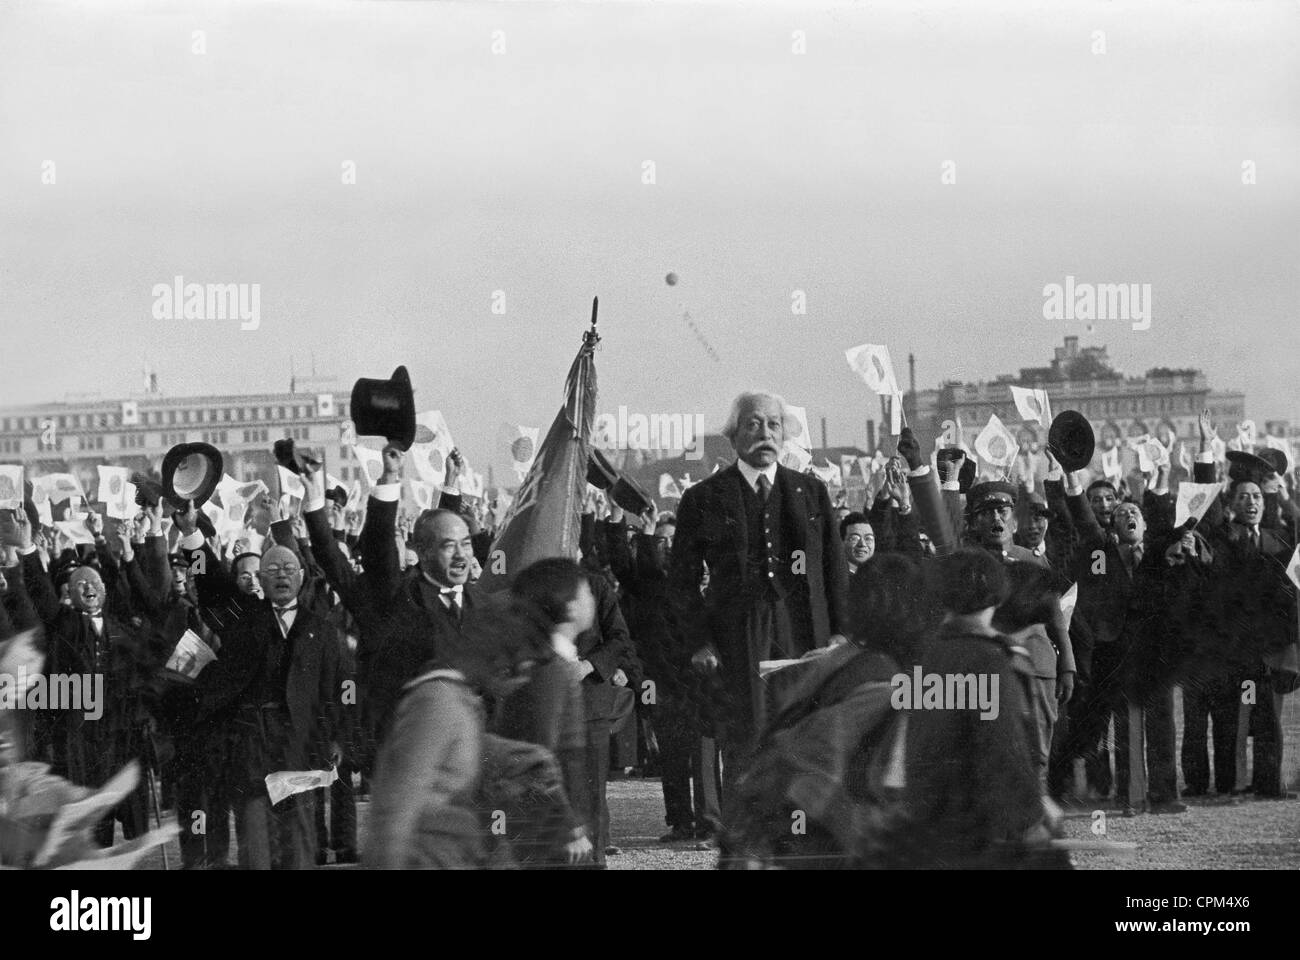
(910, 449)
(392, 459)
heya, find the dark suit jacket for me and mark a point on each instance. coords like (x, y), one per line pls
(712, 528)
(402, 626)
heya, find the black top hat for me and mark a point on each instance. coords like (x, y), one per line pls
(385, 408)
(293, 457)
(191, 471)
(1071, 440)
(1247, 466)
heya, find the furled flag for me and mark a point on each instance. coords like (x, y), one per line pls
(356, 496)
(996, 444)
(871, 362)
(545, 519)
(1193, 500)
(60, 487)
(796, 426)
(668, 488)
(1032, 404)
(523, 449)
(113, 482)
(433, 445)
(11, 486)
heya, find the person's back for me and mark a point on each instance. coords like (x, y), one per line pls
(427, 773)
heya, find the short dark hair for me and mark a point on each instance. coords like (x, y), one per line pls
(550, 585)
(1234, 484)
(851, 519)
(234, 564)
(887, 605)
(967, 581)
(422, 529)
(1101, 482)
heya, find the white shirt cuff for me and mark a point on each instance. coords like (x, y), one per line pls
(951, 485)
(27, 551)
(921, 471)
(1207, 457)
(387, 492)
(191, 541)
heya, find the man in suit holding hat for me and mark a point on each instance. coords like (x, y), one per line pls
(777, 574)
(276, 686)
(1249, 574)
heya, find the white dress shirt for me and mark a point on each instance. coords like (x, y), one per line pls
(752, 474)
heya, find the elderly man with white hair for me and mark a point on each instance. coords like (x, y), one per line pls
(777, 578)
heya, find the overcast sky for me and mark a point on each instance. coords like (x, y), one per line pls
(522, 172)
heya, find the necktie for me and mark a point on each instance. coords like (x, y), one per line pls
(763, 487)
(451, 596)
(280, 614)
(1254, 540)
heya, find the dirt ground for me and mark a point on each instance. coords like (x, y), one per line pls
(1214, 833)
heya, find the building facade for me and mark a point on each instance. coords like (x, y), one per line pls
(1162, 403)
(76, 436)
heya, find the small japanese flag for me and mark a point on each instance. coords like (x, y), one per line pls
(1193, 500)
(290, 485)
(796, 426)
(668, 487)
(11, 486)
(1293, 568)
(795, 457)
(523, 449)
(995, 444)
(871, 362)
(433, 445)
(1032, 404)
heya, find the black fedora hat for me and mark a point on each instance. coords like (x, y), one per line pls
(293, 457)
(191, 471)
(1246, 466)
(385, 408)
(148, 491)
(1276, 459)
(1071, 440)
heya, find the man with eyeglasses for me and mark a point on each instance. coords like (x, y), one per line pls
(859, 540)
(276, 683)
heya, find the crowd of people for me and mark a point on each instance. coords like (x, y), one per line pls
(757, 643)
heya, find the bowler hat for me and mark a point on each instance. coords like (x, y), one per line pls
(1071, 440)
(1246, 466)
(191, 471)
(385, 408)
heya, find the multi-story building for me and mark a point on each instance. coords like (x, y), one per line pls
(78, 434)
(1082, 379)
